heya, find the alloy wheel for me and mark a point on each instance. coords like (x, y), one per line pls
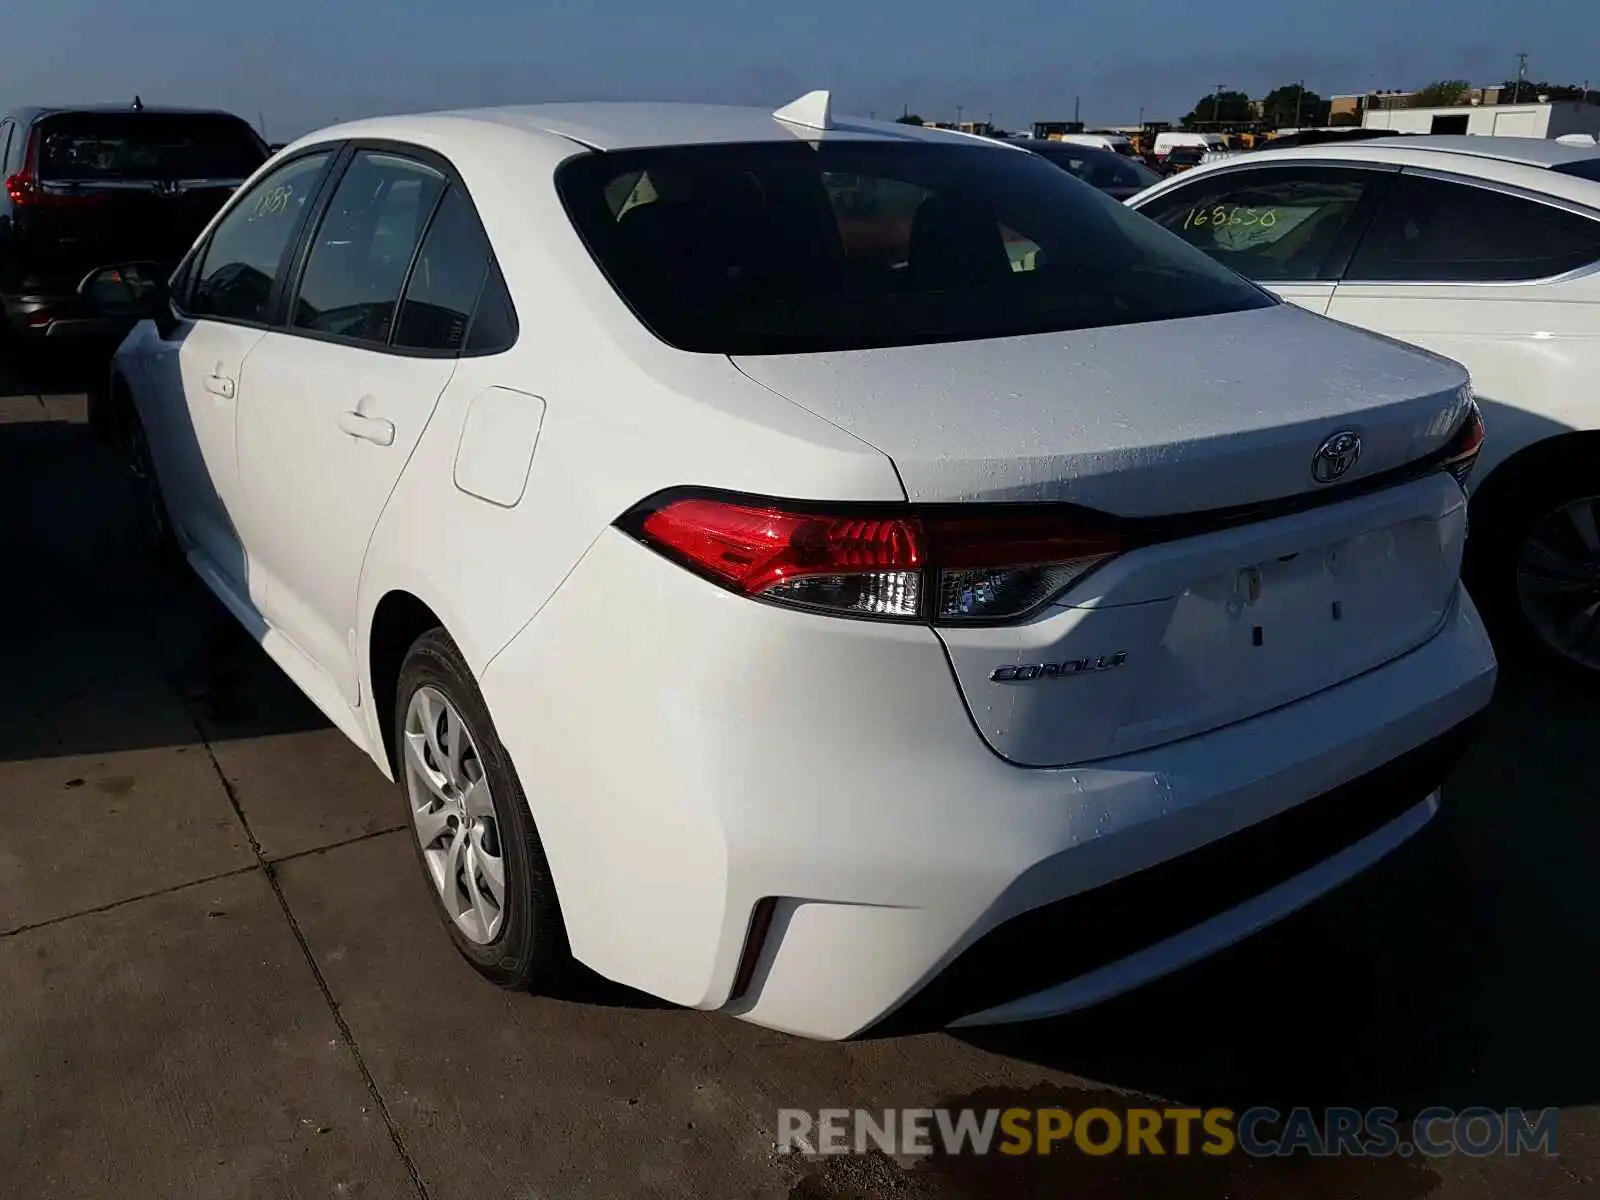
(1558, 581)
(453, 815)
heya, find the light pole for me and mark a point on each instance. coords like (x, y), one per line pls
(1216, 106)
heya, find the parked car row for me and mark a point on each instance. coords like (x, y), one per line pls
(849, 576)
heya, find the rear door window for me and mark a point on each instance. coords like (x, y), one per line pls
(446, 279)
(1277, 225)
(130, 147)
(245, 253)
(362, 250)
(6, 129)
(1437, 231)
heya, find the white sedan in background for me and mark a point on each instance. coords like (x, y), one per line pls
(1485, 249)
(838, 574)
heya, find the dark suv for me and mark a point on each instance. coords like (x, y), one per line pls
(87, 186)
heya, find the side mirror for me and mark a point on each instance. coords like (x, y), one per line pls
(133, 290)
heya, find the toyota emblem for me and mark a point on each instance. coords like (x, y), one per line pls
(1337, 454)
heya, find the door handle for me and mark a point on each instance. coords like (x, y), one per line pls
(370, 429)
(220, 385)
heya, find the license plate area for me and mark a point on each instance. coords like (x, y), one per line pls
(1312, 617)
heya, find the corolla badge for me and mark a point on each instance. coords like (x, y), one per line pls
(1066, 669)
(1337, 454)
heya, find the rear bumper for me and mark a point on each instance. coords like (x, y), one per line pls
(694, 759)
(1070, 952)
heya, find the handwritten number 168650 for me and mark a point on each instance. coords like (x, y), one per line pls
(1236, 215)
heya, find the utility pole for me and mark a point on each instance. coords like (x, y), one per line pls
(1299, 95)
(1075, 109)
(958, 116)
(1216, 106)
(1522, 73)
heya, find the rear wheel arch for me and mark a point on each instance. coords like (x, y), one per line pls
(1561, 453)
(111, 408)
(1528, 486)
(399, 619)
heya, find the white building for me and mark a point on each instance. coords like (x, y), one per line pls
(1551, 119)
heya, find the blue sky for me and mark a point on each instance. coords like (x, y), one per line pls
(303, 63)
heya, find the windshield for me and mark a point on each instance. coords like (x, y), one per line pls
(89, 147)
(794, 247)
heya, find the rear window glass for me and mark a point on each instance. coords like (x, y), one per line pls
(85, 147)
(1103, 170)
(1583, 168)
(793, 247)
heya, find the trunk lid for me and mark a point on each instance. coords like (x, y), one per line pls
(1138, 420)
(1194, 632)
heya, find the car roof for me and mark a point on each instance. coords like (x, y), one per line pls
(1533, 152)
(1078, 149)
(617, 125)
(1520, 162)
(28, 115)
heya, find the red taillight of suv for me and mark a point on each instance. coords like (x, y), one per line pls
(901, 563)
(24, 188)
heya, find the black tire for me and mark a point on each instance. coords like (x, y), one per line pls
(101, 403)
(149, 506)
(1502, 522)
(530, 951)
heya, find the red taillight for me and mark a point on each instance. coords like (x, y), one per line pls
(870, 565)
(22, 188)
(901, 563)
(25, 189)
(1461, 455)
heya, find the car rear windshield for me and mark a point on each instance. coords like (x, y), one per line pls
(90, 147)
(795, 247)
(1102, 169)
(1583, 168)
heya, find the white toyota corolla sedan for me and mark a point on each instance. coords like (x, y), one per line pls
(851, 577)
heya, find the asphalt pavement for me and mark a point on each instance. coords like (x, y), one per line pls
(220, 975)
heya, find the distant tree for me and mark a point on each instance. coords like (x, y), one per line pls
(909, 118)
(1220, 106)
(1442, 93)
(1290, 105)
(1529, 90)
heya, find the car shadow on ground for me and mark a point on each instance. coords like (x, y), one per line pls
(1461, 971)
(97, 645)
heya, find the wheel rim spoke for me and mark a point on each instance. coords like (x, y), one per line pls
(485, 911)
(454, 897)
(494, 875)
(453, 815)
(430, 778)
(431, 824)
(475, 799)
(1582, 518)
(1558, 581)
